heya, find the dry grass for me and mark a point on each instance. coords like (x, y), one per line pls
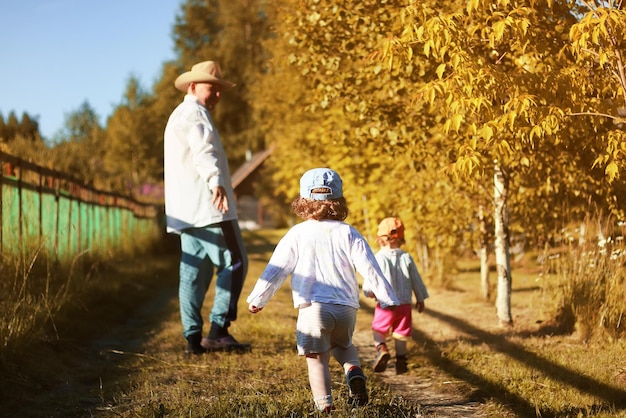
(589, 285)
(34, 289)
(540, 366)
(119, 353)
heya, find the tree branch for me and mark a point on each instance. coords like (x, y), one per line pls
(592, 114)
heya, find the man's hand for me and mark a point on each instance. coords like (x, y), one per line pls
(220, 199)
(420, 306)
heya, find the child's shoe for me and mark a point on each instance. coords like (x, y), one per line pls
(355, 378)
(382, 357)
(401, 366)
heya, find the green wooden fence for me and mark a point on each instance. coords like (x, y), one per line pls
(47, 209)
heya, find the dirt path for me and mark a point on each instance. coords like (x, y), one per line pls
(428, 389)
(439, 394)
(427, 385)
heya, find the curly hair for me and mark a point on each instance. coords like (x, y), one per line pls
(333, 209)
(385, 240)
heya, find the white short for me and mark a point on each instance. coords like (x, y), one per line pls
(324, 326)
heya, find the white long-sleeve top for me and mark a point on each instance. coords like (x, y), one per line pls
(401, 272)
(194, 163)
(322, 258)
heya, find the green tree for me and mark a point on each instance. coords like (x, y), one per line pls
(29, 128)
(11, 127)
(165, 98)
(133, 155)
(79, 146)
(244, 26)
(2, 127)
(25, 141)
(79, 124)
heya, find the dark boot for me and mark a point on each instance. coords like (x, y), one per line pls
(220, 340)
(216, 332)
(193, 345)
(401, 366)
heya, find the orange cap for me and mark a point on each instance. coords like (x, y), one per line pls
(392, 228)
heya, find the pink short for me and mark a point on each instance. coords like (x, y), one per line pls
(397, 321)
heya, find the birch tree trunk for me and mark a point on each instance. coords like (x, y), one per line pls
(483, 253)
(422, 255)
(503, 257)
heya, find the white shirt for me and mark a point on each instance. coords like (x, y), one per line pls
(322, 258)
(194, 163)
(401, 272)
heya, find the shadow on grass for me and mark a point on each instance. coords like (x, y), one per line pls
(613, 397)
(526, 289)
(76, 365)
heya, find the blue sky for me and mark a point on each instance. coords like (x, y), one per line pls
(58, 53)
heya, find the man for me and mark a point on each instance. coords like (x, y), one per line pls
(200, 207)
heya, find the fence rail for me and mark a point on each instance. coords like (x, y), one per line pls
(50, 209)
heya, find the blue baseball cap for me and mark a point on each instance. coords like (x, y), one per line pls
(321, 178)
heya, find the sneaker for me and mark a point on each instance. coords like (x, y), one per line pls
(356, 383)
(401, 366)
(228, 343)
(382, 357)
(194, 345)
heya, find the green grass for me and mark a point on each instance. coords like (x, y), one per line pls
(93, 362)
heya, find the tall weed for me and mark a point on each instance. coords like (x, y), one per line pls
(35, 288)
(590, 287)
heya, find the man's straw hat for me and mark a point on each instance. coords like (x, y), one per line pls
(202, 72)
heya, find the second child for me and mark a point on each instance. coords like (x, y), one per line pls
(402, 274)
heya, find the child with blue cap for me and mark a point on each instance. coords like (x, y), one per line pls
(323, 255)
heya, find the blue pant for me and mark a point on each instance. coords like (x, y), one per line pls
(219, 248)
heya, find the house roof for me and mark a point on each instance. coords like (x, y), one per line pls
(249, 166)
